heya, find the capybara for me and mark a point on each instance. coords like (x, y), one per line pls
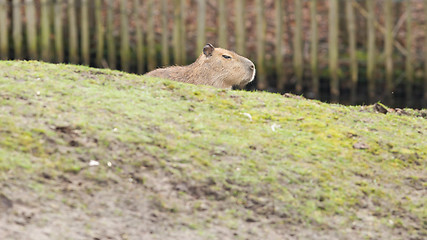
(215, 67)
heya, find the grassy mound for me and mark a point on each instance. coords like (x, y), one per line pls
(107, 154)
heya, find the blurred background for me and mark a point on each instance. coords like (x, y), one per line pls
(346, 51)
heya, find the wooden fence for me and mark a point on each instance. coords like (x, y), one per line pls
(140, 35)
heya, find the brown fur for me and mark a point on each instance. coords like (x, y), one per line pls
(212, 68)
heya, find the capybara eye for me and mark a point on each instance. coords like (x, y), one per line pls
(226, 56)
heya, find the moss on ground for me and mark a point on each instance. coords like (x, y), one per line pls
(261, 154)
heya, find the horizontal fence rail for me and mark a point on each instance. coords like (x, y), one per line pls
(348, 51)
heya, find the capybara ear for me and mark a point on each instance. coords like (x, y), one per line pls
(208, 49)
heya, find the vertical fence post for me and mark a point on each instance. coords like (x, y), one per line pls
(111, 46)
(298, 60)
(99, 33)
(240, 27)
(124, 32)
(150, 37)
(165, 33)
(85, 32)
(31, 28)
(425, 54)
(260, 45)
(139, 38)
(17, 29)
(72, 24)
(182, 27)
(388, 49)
(201, 26)
(351, 28)
(333, 50)
(222, 22)
(45, 31)
(371, 50)
(281, 78)
(314, 48)
(409, 61)
(176, 32)
(59, 47)
(4, 29)
(179, 37)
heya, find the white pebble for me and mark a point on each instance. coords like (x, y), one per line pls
(93, 163)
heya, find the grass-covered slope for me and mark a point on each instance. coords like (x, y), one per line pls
(179, 161)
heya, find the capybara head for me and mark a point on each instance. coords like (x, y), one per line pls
(228, 67)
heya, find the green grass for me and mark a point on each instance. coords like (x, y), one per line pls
(294, 159)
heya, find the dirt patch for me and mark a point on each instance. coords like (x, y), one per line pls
(79, 209)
